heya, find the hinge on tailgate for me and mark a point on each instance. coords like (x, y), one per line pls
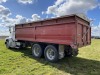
(85, 33)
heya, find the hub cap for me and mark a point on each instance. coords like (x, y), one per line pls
(50, 54)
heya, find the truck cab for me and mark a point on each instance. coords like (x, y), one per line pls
(10, 41)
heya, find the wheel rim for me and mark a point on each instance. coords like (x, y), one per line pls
(50, 54)
(36, 51)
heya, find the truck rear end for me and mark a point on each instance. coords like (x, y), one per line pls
(83, 32)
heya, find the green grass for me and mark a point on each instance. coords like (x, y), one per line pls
(21, 62)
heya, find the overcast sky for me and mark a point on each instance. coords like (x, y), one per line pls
(20, 11)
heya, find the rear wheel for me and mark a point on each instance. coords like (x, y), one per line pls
(37, 51)
(69, 51)
(51, 53)
(74, 52)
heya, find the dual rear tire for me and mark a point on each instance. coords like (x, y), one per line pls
(50, 52)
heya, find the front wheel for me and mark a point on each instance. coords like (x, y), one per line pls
(7, 44)
(51, 53)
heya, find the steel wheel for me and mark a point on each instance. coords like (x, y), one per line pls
(37, 50)
(51, 53)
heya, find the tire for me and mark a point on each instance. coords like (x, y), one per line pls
(51, 54)
(7, 44)
(70, 52)
(75, 52)
(23, 46)
(37, 51)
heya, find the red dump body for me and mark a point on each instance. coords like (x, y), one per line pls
(67, 30)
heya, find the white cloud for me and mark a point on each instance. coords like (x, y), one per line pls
(95, 30)
(65, 7)
(12, 21)
(4, 31)
(26, 1)
(7, 21)
(35, 17)
(58, 2)
(20, 19)
(2, 1)
(4, 12)
(52, 10)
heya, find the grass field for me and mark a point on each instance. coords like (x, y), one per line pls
(21, 62)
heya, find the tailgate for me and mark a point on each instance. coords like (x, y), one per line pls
(83, 34)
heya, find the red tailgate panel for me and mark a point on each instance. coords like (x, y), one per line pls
(83, 33)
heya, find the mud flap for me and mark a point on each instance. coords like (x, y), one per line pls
(61, 51)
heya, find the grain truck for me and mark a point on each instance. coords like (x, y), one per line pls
(52, 38)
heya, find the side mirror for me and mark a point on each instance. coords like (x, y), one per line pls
(10, 29)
